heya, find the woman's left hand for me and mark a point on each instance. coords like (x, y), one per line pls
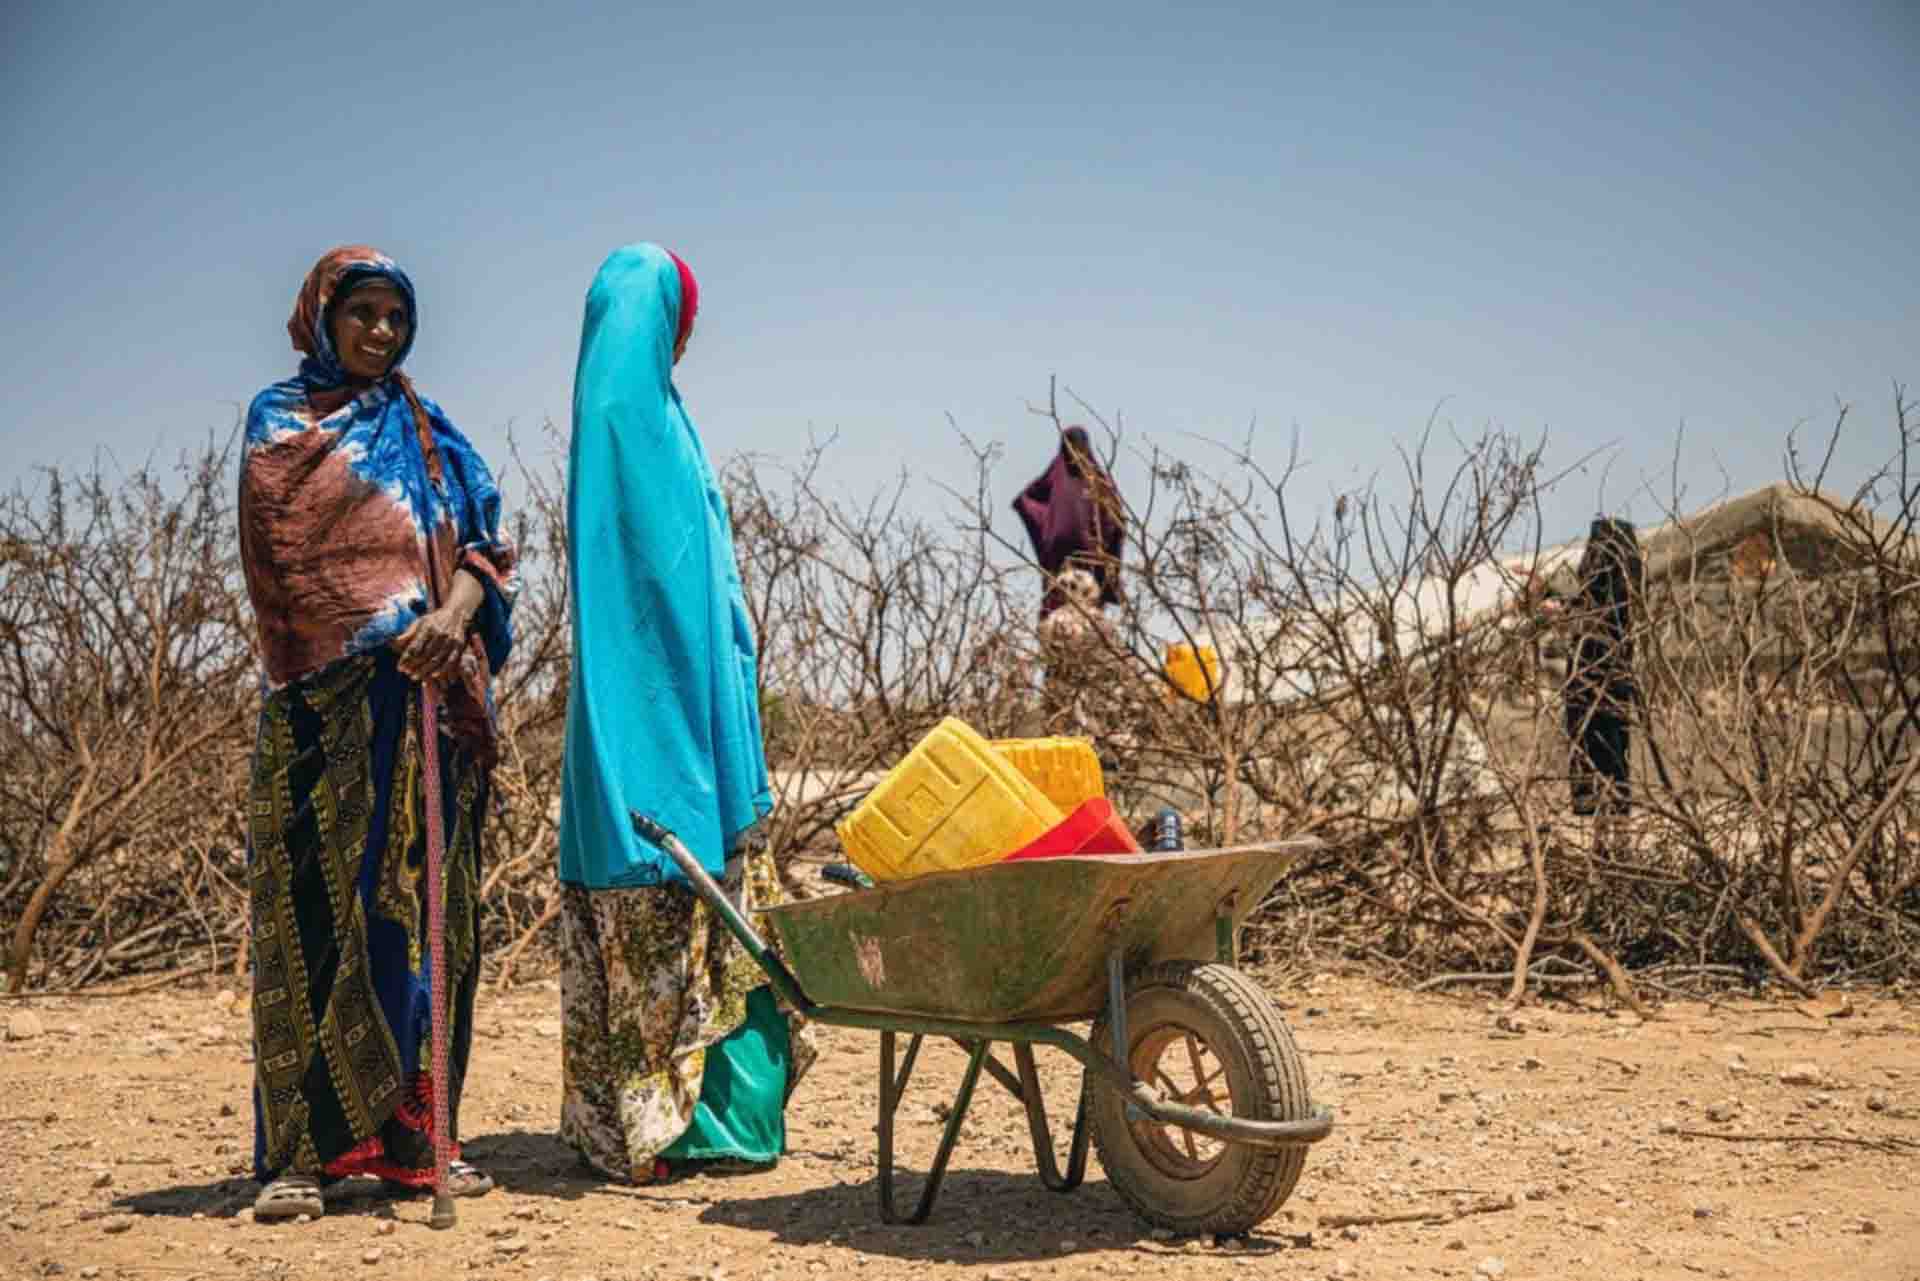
(431, 649)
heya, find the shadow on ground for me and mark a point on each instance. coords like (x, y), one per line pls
(218, 1199)
(524, 1163)
(221, 1199)
(980, 1216)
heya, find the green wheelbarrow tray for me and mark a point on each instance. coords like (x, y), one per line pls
(1010, 952)
(1025, 941)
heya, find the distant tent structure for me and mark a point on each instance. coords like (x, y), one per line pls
(1774, 532)
(1702, 564)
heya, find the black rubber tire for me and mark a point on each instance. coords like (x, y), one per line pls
(1241, 1187)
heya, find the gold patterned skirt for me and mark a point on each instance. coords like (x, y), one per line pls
(337, 851)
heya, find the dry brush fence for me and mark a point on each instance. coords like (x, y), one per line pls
(1371, 697)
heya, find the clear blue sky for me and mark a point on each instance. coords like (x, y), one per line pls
(1600, 221)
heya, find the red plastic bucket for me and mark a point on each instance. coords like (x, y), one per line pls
(1092, 828)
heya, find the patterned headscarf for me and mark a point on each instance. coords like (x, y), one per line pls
(333, 279)
(335, 276)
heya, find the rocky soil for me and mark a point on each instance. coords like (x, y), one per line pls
(1734, 1139)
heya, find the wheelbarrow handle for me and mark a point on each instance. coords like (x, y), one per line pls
(784, 983)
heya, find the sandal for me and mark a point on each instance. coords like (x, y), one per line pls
(289, 1197)
(468, 1180)
(463, 1180)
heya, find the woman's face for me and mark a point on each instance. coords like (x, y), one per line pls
(370, 328)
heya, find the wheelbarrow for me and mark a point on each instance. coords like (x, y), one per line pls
(1192, 1089)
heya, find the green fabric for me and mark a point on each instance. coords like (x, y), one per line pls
(742, 1107)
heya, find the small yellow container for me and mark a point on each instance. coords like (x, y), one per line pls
(1066, 769)
(954, 802)
(1185, 665)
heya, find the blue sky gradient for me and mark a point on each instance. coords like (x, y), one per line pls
(1597, 222)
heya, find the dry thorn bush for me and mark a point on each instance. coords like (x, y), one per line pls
(1389, 685)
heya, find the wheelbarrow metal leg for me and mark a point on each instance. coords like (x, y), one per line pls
(906, 1065)
(1042, 1132)
(890, 1103)
(995, 1069)
(1226, 941)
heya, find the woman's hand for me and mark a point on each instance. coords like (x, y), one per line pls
(431, 650)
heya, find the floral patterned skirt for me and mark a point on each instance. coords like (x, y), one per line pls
(650, 979)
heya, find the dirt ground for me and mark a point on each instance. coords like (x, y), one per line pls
(124, 1142)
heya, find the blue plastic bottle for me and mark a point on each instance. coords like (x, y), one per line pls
(1167, 834)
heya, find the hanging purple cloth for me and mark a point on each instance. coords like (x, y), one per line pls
(1072, 515)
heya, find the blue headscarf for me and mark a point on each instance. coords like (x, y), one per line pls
(663, 715)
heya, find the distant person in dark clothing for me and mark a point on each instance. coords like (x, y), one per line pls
(1073, 518)
(1600, 689)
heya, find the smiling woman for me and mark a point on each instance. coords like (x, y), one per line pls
(378, 573)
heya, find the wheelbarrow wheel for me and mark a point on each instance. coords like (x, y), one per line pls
(1207, 1036)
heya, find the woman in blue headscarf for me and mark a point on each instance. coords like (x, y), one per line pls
(674, 1048)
